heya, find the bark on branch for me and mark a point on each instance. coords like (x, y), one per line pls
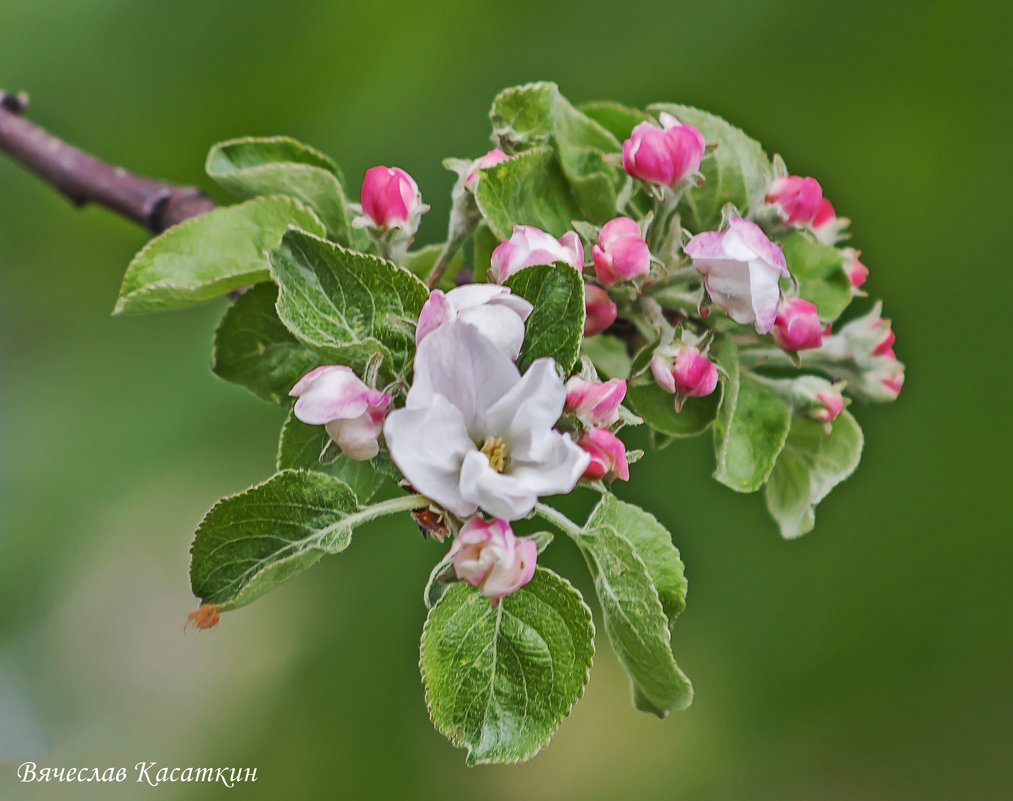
(82, 178)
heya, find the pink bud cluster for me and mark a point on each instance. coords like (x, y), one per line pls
(486, 554)
(595, 404)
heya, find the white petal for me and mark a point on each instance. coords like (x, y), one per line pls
(765, 294)
(428, 445)
(525, 414)
(728, 285)
(561, 463)
(500, 324)
(500, 494)
(459, 364)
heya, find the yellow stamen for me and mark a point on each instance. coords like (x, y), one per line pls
(495, 451)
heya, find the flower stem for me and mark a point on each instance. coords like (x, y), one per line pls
(558, 519)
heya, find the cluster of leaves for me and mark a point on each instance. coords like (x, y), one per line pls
(311, 289)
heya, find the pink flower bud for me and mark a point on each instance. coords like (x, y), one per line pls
(797, 326)
(495, 311)
(741, 268)
(798, 199)
(608, 456)
(857, 272)
(486, 553)
(352, 413)
(685, 370)
(595, 403)
(826, 224)
(390, 197)
(663, 155)
(831, 405)
(621, 252)
(600, 311)
(490, 159)
(529, 246)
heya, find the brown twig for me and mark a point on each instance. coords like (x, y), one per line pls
(82, 178)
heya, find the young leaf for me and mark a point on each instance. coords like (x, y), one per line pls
(616, 119)
(811, 464)
(819, 270)
(278, 165)
(210, 255)
(750, 428)
(500, 681)
(556, 326)
(347, 305)
(639, 579)
(657, 407)
(251, 542)
(608, 354)
(536, 114)
(253, 348)
(300, 447)
(528, 189)
(737, 172)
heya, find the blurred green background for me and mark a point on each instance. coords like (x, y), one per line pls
(871, 660)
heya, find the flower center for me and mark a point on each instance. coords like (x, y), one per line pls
(495, 451)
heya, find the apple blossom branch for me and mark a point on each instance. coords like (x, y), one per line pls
(82, 178)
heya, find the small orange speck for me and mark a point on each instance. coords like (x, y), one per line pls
(204, 618)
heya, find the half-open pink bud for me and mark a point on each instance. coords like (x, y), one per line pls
(351, 412)
(494, 310)
(391, 198)
(621, 253)
(595, 403)
(608, 456)
(486, 553)
(600, 311)
(857, 272)
(663, 155)
(797, 326)
(490, 159)
(685, 370)
(741, 268)
(529, 246)
(797, 198)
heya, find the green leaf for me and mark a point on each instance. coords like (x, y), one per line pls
(253, 348)
(522, 116)
(608, 354)
(210, 255)
(347, 305)
(556, 326)
(819, 270)
(614, 118)
(737, 172)
(750, 429)
(421, 262)
(812, 463)
(500, 681)
(301, 445)
(657, 407)
(528, 189)
(535, 114)
(278, 165)
(251, 542)
(639, 579)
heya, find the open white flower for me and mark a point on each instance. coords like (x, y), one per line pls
(475, 434)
